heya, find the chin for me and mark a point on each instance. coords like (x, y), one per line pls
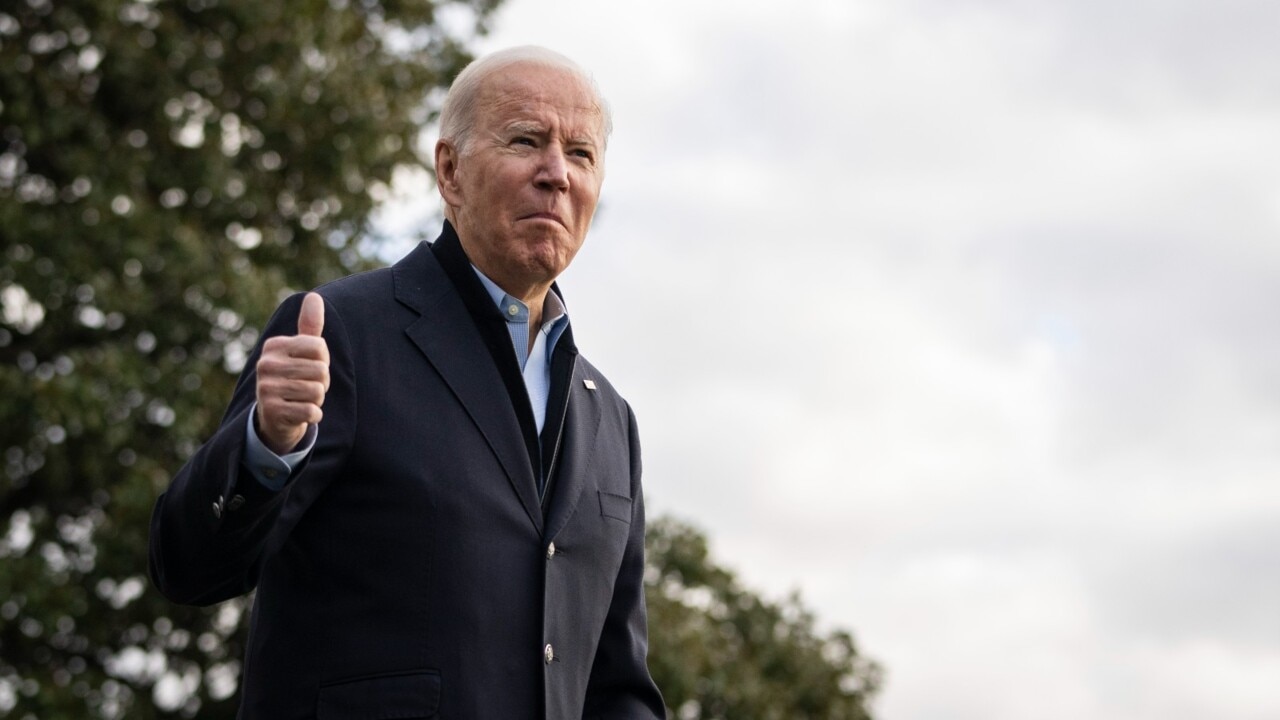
(546, 270)
(546, 266)
(548, 251)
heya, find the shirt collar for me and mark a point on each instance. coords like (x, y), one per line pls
(553, 310)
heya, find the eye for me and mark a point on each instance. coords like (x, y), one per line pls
(584, 154)
(524, 140)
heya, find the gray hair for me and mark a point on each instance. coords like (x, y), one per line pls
(458, 116)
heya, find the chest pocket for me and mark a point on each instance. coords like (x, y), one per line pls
(615, 506)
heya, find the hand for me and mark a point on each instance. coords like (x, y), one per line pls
(293, 377)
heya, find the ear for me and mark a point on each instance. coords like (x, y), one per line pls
(447, 173)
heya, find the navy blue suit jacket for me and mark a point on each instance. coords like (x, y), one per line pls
(409, 569)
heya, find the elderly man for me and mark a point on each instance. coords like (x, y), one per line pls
(437, 498)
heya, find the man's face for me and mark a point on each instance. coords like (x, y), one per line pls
(524, 188)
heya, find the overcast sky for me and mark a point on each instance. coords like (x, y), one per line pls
(960, 317)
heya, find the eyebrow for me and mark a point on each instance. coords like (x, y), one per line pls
(524, 127)
(527, 127)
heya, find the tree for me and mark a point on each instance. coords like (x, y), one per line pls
(168, 169)
(719, 651)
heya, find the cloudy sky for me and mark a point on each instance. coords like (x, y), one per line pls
(959, 317)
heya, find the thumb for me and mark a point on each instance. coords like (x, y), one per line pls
(311, 316)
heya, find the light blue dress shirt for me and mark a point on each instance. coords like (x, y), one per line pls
(273, 470)
(535, 363)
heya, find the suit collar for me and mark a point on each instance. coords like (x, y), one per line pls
(448, 336)
(578, 450)
(435, 281)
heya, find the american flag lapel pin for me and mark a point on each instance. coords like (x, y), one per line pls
(591, 384)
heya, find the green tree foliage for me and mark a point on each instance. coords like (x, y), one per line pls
(168, 168)
(720, 651)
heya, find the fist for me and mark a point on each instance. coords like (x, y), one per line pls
(293, 377)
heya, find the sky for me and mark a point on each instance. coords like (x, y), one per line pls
(959, 318)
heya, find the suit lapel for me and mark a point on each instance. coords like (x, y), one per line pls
(447, 336)
(581, 428)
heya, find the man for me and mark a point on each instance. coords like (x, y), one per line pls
(437, 499)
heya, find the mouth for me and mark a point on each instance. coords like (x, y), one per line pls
(551, 216)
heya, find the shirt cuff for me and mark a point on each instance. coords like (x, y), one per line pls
(272, 471)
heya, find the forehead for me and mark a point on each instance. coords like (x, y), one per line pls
(527, 92)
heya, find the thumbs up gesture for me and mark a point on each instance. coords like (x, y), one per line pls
(293, 377)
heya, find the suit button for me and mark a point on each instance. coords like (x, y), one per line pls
(235, 502)
(217, 508)
(551, 552)
(549, 653)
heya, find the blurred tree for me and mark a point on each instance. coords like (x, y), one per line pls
(168, 168)
(719, 651)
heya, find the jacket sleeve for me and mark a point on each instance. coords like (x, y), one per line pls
(211, 529)
(620, 686)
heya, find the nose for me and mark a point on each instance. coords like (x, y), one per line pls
(553, 169)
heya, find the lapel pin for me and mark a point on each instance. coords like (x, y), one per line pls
(591, 384)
